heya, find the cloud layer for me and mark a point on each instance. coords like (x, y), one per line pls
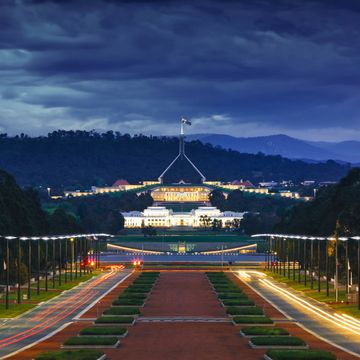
(243, 68)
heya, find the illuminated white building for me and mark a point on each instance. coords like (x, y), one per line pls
(160, 216)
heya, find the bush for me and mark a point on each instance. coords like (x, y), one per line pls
(95, 330)
(229, 291)
(238, 302)
(231, 296)
(122, 311)
(140, 290)
(244, 311)
(277, 341)
(70, 355)
(260, 330)
(137, 296)
(300, 355)
(252, 320)
(89, 340)
(114, 320)
(127, 302)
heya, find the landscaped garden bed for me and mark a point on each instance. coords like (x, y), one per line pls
(252, 310)
(231, 295)
(122, 311)
(71, 355)
(249, 320)
(299, 355)
(251, 331)
(109, 320)
(104, 331)
(237, 302)
(278, 342)
(138, 296)
(93, 342)
(128, 302)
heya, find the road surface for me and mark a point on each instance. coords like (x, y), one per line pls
(52, 315)
(316, 317)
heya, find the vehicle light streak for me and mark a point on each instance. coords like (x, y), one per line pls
(84, 296)
(71, 299)
(336, 320)
(41, 327)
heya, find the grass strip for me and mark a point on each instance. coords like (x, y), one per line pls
(252, 320)
(260, 330)
(89, 340)
(122, 311)
(96, 330)
(70, 355)
(277, 341)
(244, 310)
(300, 355)
(238, 302)
(114, 320)
(128, 302)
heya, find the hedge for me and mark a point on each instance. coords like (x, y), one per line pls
(245, 311)
(122, 311)
(70, 355)
(277, 341)
(260, 330)
(300, 355)
(114, 319)
(252, 320)
(90, 340)
(232, 296)
(137, 296)
(128, 302)
(238, 302)
(96, 330)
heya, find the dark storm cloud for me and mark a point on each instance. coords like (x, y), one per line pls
(240, 67)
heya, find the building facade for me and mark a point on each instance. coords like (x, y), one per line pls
(181, 193)
(160, 216)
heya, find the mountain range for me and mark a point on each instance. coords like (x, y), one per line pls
(286, 146)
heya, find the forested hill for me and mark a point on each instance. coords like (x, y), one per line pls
(334, 208)
(80, 158)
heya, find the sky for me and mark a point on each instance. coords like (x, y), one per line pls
(244, 68)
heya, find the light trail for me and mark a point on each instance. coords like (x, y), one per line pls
(335, 319)
(84, 296)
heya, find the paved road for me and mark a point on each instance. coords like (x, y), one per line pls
(313, 315)
(118, 258)
(51, 315)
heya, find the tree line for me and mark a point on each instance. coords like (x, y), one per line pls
(80, 159)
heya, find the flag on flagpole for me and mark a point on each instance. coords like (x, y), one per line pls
(185, 121)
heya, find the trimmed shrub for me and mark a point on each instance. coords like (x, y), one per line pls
(238, 302)
(232, 296)
(96, 330)
(245, 311)
(277, 341)
(260, 330)
(89, 340)
(300, 355)
(137, 296)
(128, 302)
(122, 311)
(252, 320)
(114, 320)
(70, 355)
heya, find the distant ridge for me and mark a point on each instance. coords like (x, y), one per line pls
(286, 146)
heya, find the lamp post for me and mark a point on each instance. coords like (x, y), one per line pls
(46, 265)
(53, 264)
(305, 262)
(18, 272)
(66, 259)
(72, 258)
(60, 262)
(318, 264)
(29, 270)
(312, 262)
(299, 256)
(357, 238)
(38, 265)
(327, 266)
